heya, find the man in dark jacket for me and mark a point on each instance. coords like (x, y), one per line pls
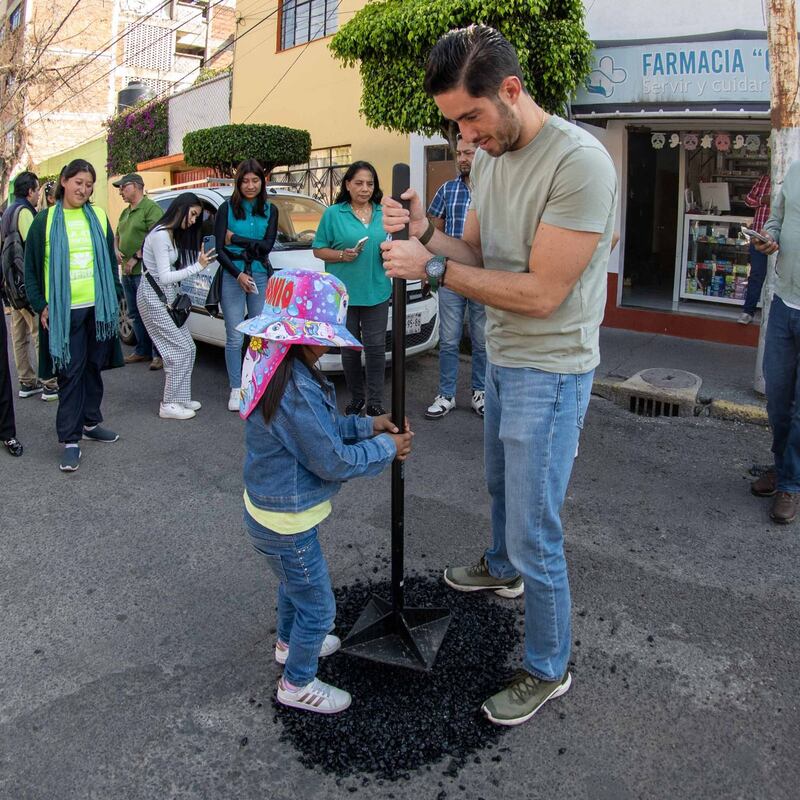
(24, 323)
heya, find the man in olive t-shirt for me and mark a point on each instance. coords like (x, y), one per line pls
(534, 252)
(135, 222)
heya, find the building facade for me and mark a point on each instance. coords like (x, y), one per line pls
(284, 74)
(71, 61)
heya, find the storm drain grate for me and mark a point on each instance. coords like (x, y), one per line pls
(659, 393)
(649, 407)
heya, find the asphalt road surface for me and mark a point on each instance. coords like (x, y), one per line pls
(137, 623)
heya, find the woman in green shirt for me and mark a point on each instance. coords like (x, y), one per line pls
(348, 240)
(73, 285)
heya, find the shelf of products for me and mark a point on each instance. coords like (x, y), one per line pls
(716, 259)
(740, 171)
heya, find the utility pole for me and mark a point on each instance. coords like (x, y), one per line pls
(785, 117)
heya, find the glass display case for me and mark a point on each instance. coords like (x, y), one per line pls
(716, 259)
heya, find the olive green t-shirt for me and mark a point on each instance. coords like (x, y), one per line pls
(134, 224)
(564, 177)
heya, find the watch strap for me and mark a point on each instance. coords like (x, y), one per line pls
(428, 235)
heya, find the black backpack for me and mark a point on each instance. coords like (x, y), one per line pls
(12, 263)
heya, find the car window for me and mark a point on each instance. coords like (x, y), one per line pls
(298, 220)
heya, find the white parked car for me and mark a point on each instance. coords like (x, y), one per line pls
(299, 216)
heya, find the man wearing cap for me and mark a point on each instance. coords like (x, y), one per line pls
(135, 222)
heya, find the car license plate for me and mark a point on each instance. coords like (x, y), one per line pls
(414, 322)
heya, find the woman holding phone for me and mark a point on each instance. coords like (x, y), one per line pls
(348, 241)
(245, 228)
(170, 253)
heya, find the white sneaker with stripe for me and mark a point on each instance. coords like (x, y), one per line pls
(329, 647)
(317, 696)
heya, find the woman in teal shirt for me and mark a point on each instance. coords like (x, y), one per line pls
(245, 231)
(348, 240)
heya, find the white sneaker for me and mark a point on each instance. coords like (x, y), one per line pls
(192, 405)
(329, 647)
(440, 406)
(174, 411)
(233, 400)
(319, 697)
(745, 319)
(478, 401)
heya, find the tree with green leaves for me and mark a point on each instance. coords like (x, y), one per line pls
(390, 40)
(223, 148)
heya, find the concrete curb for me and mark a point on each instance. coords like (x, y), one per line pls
(609, 389)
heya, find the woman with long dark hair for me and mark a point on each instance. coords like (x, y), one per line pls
(73, 285)
(348, 241)
(171, 252)
(245, 230)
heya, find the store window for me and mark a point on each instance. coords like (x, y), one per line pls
(306, 20)
(689, 193)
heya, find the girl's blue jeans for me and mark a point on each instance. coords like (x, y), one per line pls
(306, 606)
(233, 302)
(532, 423)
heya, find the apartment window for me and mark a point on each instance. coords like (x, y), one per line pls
(15, 18)
(305, 20)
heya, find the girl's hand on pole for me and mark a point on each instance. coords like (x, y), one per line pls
(384, 424)
(402, 441)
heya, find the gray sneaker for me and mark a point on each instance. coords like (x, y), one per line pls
(478, 578)
(523, 697)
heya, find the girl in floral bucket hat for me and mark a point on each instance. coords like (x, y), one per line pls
(299, 451)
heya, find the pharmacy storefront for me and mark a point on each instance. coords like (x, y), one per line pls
(687, 124)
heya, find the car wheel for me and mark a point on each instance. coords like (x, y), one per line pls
(125, 325)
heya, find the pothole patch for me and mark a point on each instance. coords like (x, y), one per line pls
(402, 720)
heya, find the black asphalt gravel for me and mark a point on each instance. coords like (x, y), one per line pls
(400, 719)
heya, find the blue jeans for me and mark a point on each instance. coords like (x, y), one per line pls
(306, 606)
(233, 302)
(144, 345)
(758, 271)
(782, 383)
(532, 424)
(452, 308)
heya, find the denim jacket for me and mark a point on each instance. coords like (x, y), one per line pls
(302, 456)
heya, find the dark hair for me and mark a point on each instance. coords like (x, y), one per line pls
(23, 184)
(344, 195)
(477, 58)
(49, 187)
(273, 394)
(260, 208)
(187, 240)
(70, 171)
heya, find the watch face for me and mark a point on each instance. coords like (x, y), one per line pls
(435, 268)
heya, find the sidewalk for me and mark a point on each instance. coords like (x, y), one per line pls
(727, 371)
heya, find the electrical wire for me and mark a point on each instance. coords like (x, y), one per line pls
(78, 68)
(289, 68)
(103, 76)
(167, 90)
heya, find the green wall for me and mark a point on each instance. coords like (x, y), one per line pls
(96, 153)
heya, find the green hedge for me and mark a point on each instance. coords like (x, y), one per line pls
(223, 148)
(137, 134)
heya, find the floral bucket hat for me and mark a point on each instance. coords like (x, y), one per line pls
(301, 307)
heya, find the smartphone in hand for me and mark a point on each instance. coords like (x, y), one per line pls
(360, 244)
(750, 233)
(209, 243)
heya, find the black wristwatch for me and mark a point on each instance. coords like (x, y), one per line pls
(435, 269)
